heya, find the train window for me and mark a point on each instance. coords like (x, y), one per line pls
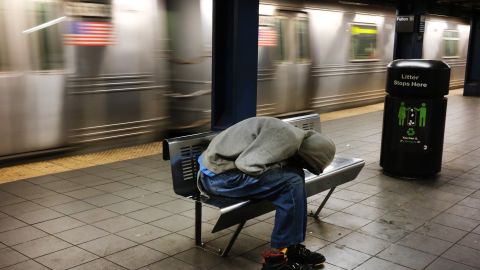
(46, 43)
(281, 25)
(363, 42)
(303, 53)
(450, 43)
(4, 60)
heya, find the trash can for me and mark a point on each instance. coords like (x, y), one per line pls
(414, 117)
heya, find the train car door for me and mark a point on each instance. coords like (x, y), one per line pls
(32, 81)
(294, 62)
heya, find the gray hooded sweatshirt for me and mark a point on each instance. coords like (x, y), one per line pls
(256, 144)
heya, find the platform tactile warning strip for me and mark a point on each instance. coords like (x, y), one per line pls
(18, 172)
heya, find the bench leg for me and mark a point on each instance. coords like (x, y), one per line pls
(316, 215)
(232, 240)
(198, 223)
(198, 233)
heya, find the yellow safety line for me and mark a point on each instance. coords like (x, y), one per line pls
(41, 168)
(350, 112)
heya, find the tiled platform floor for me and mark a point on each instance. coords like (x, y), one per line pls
(125, 215)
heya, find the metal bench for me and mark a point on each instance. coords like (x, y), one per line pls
(183, 153)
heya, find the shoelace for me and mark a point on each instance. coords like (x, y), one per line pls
(303, 250)
(297, 266)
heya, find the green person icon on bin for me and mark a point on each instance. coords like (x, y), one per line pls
(402, 114)
(422, 114)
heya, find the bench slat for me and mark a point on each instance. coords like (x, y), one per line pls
(340, 171)
(183, 155)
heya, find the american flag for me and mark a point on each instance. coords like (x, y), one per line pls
(267, 36)
(89, 34)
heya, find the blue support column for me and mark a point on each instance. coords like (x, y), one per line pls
(409, 42)
(472, 73)
(235, 53)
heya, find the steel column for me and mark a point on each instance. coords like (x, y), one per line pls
(409, 45)
(235, 52)
(472, 72)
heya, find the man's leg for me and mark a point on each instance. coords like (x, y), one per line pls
(291, 216)
(284, 187)
(290, 201)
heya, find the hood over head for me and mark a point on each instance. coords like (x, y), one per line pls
(317, 151)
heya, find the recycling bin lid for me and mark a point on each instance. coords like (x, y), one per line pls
(418, 78)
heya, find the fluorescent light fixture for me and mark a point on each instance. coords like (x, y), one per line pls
(44, 25)
(364, 18)
(266, 9)
(352, 3)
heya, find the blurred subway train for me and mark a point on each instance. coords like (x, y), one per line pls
(105, 73)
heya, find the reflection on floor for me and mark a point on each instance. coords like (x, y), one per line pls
(124, 214)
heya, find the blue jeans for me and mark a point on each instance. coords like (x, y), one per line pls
(284, 187)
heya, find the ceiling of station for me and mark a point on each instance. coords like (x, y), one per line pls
(467, 4)
(456, 8)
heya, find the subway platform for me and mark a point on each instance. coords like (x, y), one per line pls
(117, 209)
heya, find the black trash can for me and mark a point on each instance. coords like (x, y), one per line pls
(414, 117)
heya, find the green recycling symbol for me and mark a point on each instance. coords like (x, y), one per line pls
(410, 132)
